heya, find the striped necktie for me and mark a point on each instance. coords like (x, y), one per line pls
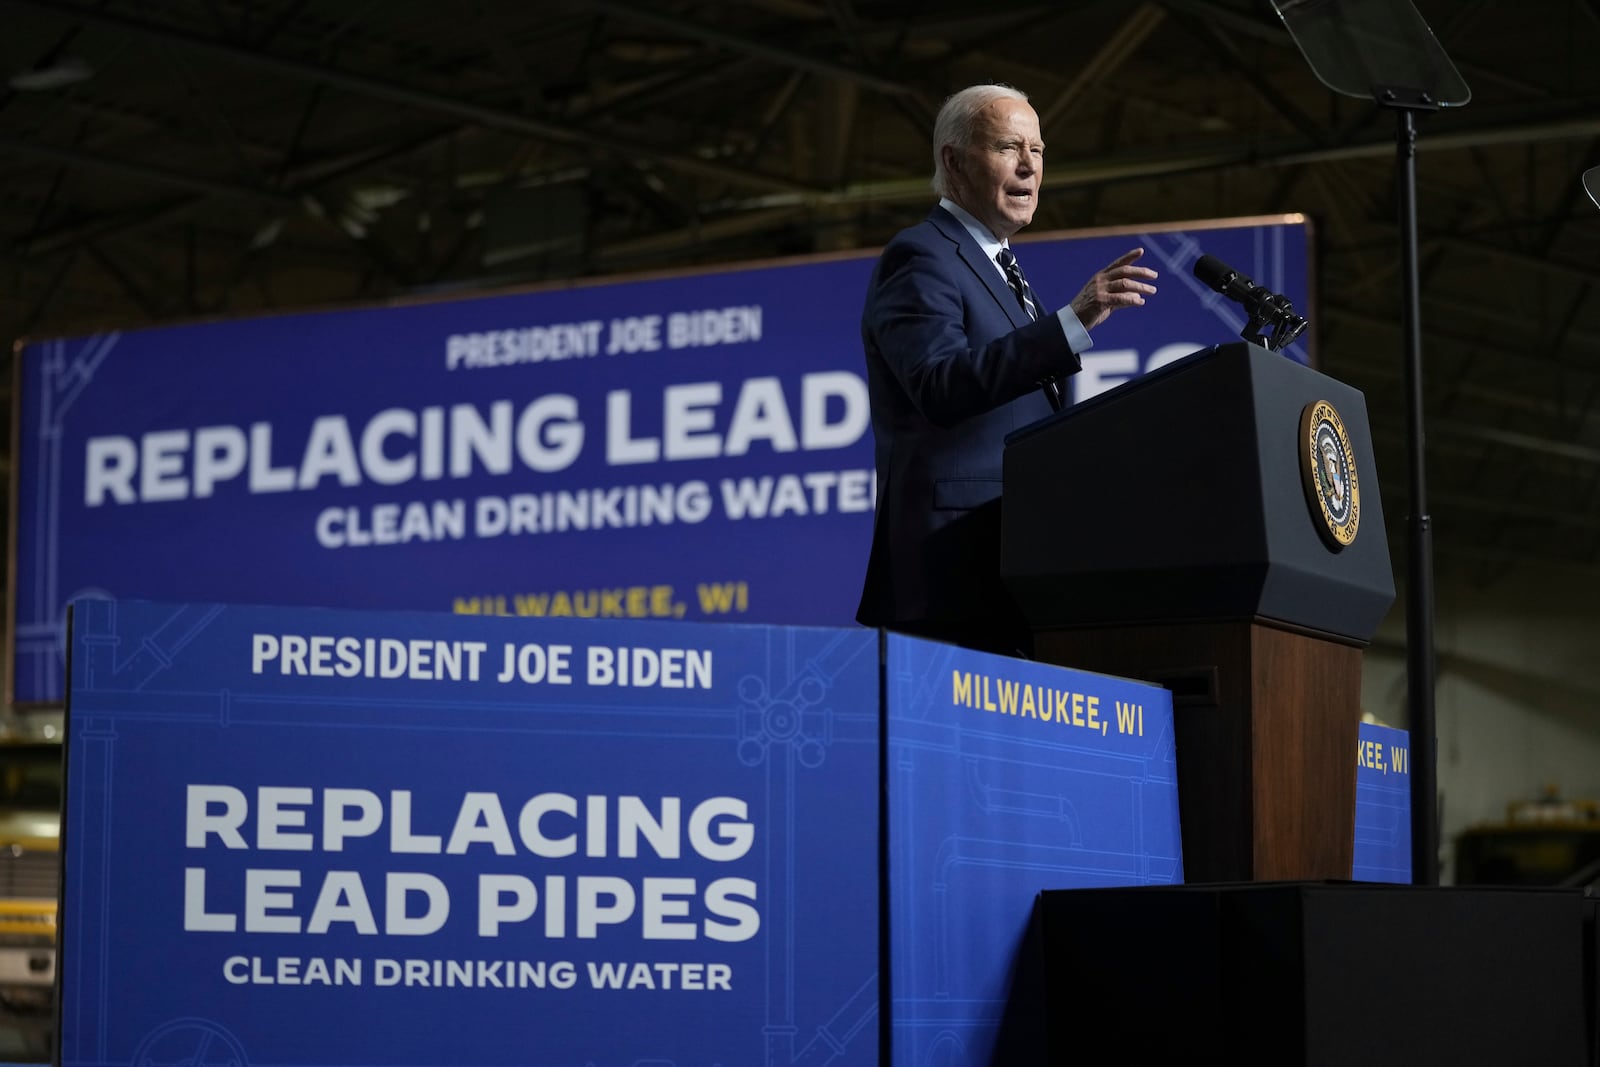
(1030, 303)
(1019, 285)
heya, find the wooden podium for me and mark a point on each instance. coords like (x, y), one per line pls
(1189, 529)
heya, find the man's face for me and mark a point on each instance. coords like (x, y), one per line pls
(997, 179)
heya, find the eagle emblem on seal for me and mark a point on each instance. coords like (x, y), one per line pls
(1328, 471)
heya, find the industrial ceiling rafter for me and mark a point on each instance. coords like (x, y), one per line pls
(391, 92)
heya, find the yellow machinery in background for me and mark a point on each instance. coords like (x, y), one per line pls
(30, 865)
(1548, 841)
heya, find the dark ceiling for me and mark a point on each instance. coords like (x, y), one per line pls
(169, 159)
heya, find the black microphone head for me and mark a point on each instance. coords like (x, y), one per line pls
(1214, 272)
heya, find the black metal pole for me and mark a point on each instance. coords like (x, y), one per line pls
(1419, 556)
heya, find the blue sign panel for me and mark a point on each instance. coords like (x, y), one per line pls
(1383, 805)
(306, 837)
(1007, 777)
(648, 449)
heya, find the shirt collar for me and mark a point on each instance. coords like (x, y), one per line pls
(980, 233)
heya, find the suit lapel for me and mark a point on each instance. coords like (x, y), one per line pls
(985, 271)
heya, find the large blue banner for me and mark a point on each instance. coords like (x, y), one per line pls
(327, 838)
(1005, 778)
(691, 447)
(312, 838)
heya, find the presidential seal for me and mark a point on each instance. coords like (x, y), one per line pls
(1328, 471)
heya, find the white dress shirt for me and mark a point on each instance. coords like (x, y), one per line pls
(1077, 337)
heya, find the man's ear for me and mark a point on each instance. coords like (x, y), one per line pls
(951, 157)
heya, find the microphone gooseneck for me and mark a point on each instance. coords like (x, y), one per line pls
(1267, 310)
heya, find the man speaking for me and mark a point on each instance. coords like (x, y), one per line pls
(960, 352)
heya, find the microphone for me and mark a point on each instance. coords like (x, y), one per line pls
(1224, 279)
(1265, 307)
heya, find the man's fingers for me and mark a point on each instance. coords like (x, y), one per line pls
(1129, 285)
(1121, 275)
(1119, 285)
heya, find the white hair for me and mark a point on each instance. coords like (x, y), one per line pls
(958, 120)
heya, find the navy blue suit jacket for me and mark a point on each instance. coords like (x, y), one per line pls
(954, 364)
